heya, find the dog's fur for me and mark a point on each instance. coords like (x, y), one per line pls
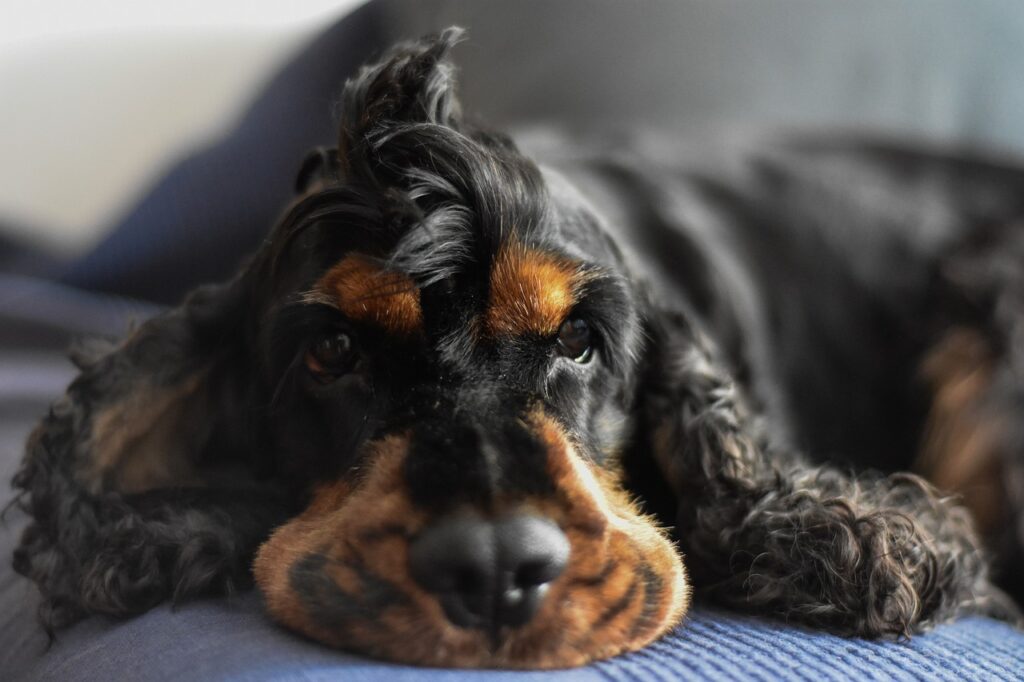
(844, 300)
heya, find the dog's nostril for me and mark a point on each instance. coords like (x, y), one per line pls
(535, 573)
(489, 573)
(469, 580)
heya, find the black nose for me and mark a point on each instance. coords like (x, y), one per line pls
(489, 573)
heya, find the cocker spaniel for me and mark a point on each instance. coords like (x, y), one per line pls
(465, 409)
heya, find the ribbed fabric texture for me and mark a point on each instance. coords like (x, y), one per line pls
(714, 645)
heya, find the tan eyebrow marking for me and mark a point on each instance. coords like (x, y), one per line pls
(364, 291)
(532, 291)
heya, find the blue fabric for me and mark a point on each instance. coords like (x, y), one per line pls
(233, 640)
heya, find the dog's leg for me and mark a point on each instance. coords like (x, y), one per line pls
(765, 531)
(974, 439)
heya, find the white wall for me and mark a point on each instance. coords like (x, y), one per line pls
(28, 21)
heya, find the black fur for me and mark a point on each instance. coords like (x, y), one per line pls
(741, 321)
(766, 530)
(98, 551)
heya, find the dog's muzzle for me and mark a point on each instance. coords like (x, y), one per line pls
(550, 570)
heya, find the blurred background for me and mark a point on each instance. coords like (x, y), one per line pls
(136, 128)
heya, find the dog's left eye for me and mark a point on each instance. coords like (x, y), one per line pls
(574, 340)
(331, 356)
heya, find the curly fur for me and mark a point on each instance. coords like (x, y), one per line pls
(95, 550)
(765, 530)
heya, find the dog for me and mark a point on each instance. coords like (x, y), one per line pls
(466, 409)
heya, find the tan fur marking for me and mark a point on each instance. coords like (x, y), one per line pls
(590, 492)
(532, 292)
(334, 520)
(148, 440)
(960, 448)
(365, 292)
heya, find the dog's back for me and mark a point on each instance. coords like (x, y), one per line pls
(858, 286)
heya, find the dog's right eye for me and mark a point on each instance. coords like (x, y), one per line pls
(575, 341)
(331, 356)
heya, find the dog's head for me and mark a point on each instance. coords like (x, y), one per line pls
(456, 344)
(438, 348)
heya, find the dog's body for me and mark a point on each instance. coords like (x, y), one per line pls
(863, 293)
(438, 373)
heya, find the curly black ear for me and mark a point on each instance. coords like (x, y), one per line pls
(766, 531)
(122, 479)
(413, 86)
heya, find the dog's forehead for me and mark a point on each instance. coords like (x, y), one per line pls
(366, 291)
(526, 290)
(500, 276)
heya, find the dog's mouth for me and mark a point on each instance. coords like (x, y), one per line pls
(532, 582)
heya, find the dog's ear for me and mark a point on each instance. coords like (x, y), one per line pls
(140, 482)
(765, 530)
(414, 85)
(165, 403)
(692, 415)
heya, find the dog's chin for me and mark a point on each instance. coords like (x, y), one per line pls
(339, 574)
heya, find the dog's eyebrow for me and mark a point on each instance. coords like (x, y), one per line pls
(532, 291)
(366, 292)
